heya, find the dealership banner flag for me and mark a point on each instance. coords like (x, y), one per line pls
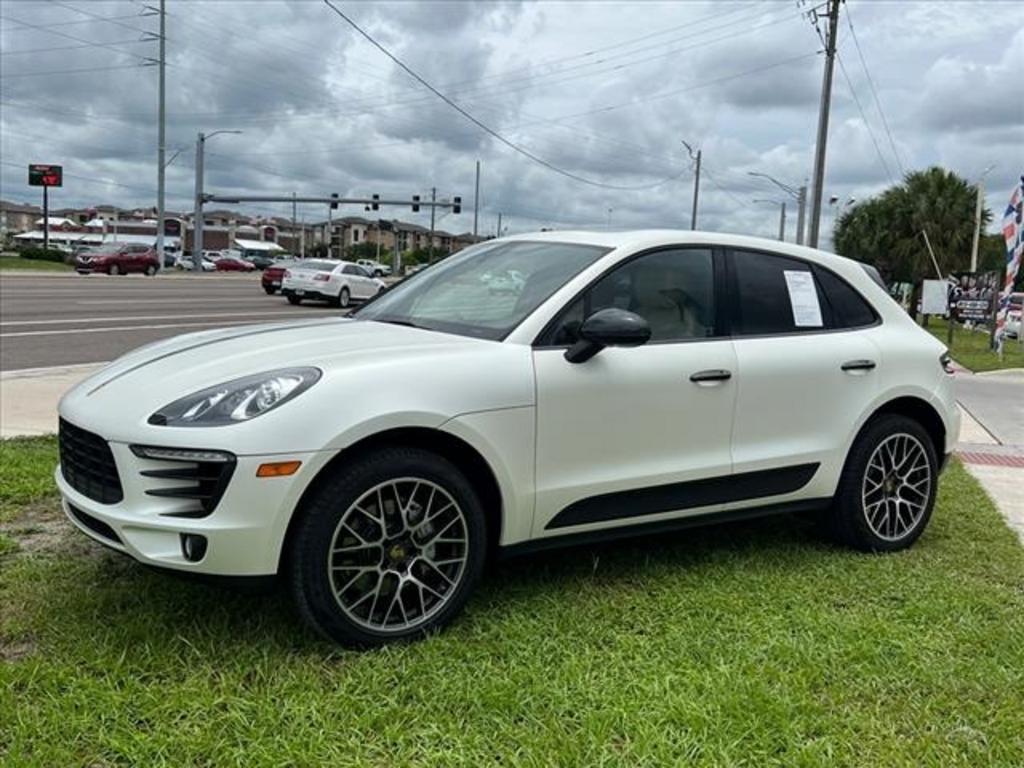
(1013, 233)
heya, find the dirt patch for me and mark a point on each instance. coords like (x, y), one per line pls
(42, 528)
(16, 650)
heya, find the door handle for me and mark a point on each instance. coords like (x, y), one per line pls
(713, 374)
(858, 365)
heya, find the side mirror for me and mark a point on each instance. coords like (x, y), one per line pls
(608, 328)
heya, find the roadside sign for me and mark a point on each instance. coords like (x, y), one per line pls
(935, 297)
(45, 175)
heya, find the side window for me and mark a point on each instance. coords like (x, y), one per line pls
(348, 269)
(673, 290)
(775, 294)
(849, 308)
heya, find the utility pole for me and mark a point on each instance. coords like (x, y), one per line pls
(696, 181)
(823, 112)
(197, 218)
(433, 209)
(161, 142)
(782, 222)
(801, 201)
(294, 233)
(197, 223)
(46, 218)
(499, 225)
(476, 199)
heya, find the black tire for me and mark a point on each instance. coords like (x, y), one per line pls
(269, 290)
(150, 270)
(378, 273)
(310, 549)
(850, 520)
(293, 299)
(114, 270)
(344, 298)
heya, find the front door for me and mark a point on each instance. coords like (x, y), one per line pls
(639, 434)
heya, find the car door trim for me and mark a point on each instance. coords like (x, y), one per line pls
(634, 530)
(672, 497)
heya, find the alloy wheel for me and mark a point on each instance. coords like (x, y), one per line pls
(896, 486)
(398, 555)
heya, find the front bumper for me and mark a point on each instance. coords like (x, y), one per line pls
(244, 533)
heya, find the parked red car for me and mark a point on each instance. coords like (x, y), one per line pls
(233, 264)
(119, 260)
(273, 275)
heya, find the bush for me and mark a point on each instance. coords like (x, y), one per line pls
(42, 254)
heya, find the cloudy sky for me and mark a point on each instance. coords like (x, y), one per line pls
(605, 92)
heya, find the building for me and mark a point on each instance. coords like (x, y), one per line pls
(16, 218)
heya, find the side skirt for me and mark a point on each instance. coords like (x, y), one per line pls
(662, 526)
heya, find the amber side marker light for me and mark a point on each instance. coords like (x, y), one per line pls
(278, 469)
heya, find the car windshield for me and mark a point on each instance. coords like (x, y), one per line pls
(484, 291)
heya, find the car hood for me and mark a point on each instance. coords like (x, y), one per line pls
(384, 367)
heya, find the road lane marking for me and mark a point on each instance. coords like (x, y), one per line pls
(67, 331)
(119, 318)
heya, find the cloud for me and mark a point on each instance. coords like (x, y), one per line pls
(605, 91)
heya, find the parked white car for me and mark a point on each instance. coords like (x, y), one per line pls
(339, 283)
(1014, 314)
(375, 268)
(635, 382)
(184, 262)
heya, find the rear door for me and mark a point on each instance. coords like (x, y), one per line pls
(806, 372)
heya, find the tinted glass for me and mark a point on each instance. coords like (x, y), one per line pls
(849, 308)
(672, 290)
(775, 294)
(483, 291)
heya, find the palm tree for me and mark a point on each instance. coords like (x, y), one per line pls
(887, 230)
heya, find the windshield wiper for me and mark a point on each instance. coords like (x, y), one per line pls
(395, 321)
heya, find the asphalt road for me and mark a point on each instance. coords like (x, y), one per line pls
(997, 401)
(62, 320)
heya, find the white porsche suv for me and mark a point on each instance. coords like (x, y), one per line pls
(629, 382)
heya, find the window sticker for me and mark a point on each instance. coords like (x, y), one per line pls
(803, 297)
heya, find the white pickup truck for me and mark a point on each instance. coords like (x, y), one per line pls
(375, 268)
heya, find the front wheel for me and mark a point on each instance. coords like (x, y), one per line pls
(387, 549)
(294, 300)
(887, 489)
(344, 298)
(150, 270)
(114, 270)
(269, 290)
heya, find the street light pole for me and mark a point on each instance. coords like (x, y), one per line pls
(433, 209)
(979, 204)
(798, 194)
(476, 200)
(782, 222)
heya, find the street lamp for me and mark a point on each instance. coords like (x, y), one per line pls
(799, 194)
(197, 224)
(782, 215)
(977, 217)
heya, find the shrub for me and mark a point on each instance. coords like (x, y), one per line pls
(42, 254)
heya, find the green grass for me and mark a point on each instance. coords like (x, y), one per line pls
(26, 472)
(18, 264)
(971, 349)
(750, 644)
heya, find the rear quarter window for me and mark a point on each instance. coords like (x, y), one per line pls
(849, 308)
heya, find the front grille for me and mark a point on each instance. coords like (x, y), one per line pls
(88, 465)
(96, 526)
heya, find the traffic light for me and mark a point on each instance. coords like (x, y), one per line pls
(375, 205)
(415, 203)
(456, 204)
(334, 201)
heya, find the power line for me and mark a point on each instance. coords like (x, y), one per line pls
(864, 117)
(71, 23)
(69, 71)
(67, 47)
(88, 179)
(75, 38)
(481, 125)
(97, 17)
(874, 93)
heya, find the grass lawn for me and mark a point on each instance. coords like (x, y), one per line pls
(17, 264)
(751, 644)
(971, 350)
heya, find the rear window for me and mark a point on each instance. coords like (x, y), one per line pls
(849, 308)
(775, 295)
(324, 266)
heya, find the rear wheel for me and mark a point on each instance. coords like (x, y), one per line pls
(344, 298)
(269, 289)
(293, 299)
(887, 489)
(390, 548)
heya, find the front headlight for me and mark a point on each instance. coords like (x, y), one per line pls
(238, 400)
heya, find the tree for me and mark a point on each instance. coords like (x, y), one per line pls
(366, 250)
(887, 230)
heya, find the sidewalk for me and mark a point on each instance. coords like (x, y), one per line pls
(28, 398)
